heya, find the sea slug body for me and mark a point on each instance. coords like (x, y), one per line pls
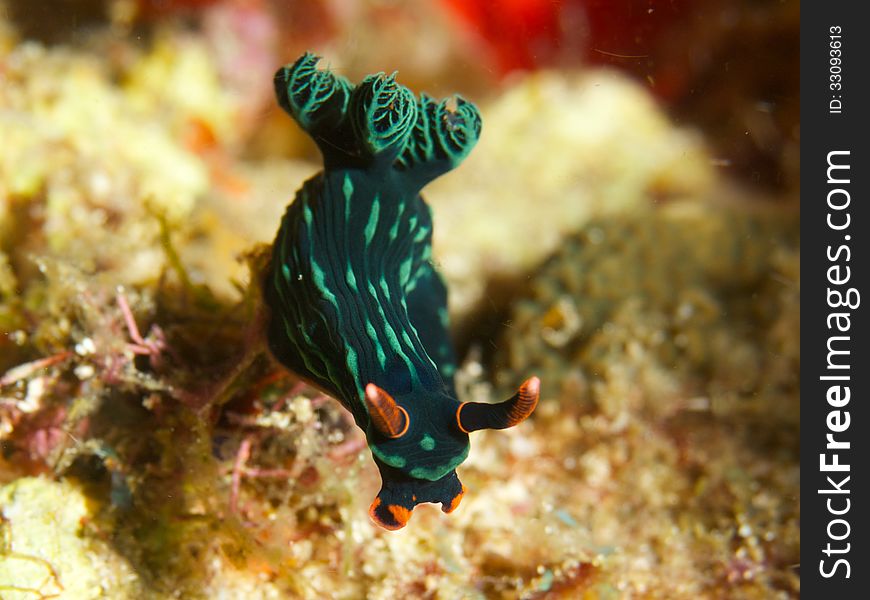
(356, 306)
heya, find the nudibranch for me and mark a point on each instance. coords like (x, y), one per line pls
(356, 305)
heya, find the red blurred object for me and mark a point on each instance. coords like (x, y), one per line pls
(726, 65)
(520, 34)
(531, 34)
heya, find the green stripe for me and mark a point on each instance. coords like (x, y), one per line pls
(347, 188)
(421, 234)
(320, 282)
(372, 225)
(370, 329)
(391, 336)
(351, 278)
(385, 288)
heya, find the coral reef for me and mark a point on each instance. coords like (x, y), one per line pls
(47, 548)
(142, 426)
(593, 144)
(72, 180)
(675, 336)
(690, 300)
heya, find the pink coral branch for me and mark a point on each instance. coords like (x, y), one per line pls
(25, 370)
(269, 473)
(350, 447)
(129, 319)
(242, 456)
(152, 346)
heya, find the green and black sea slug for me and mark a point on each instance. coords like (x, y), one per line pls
(356, 306)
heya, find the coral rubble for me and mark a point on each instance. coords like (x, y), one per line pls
(144, 432)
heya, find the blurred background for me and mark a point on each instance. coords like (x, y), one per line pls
(728, 68)
(627, 228)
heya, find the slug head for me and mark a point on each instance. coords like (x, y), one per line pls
(419, 441)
